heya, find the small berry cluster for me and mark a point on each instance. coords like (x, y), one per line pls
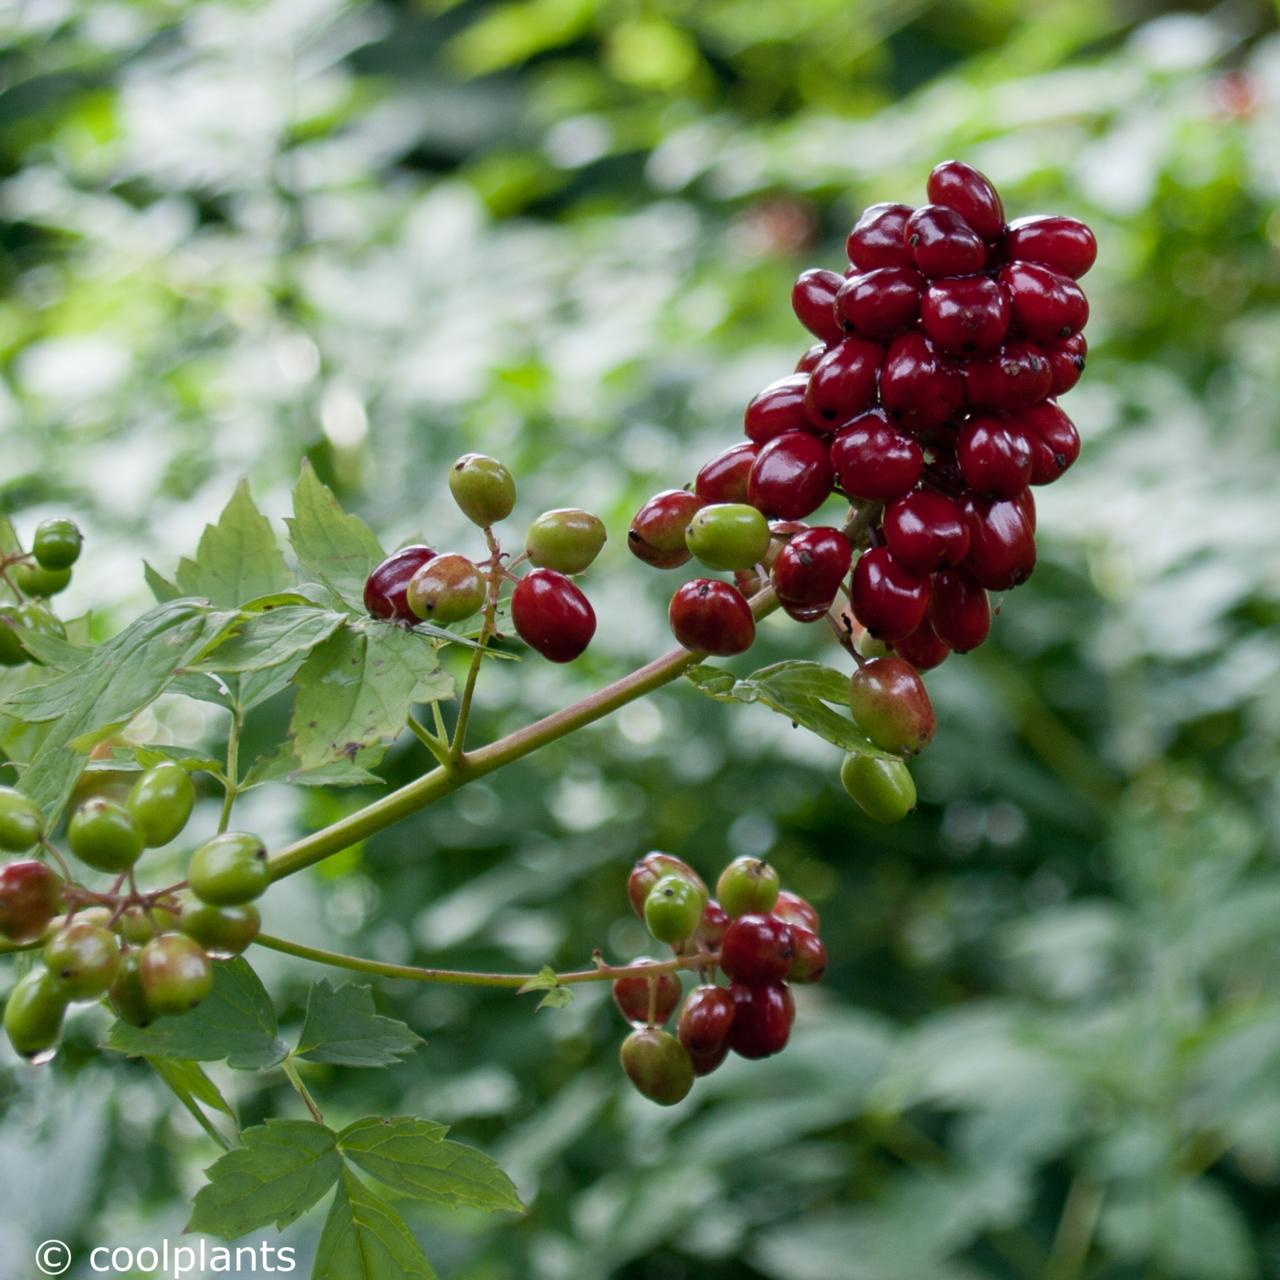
(761, 937)
(33, 578)
(548, 609)
(149, 954)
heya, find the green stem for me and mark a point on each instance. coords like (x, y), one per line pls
(437, 717)
(1074, 1236)
(477, 654)
(231, 787)
(436, 746)
(303, 1092)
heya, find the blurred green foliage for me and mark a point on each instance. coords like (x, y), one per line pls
(237, 233)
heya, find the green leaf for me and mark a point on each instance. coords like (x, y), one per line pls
(798, 690)
(283, 766)
(9, 546)
(161, 588)
(335, 548)
(556, 994)
(342, 1027)
(413, 1157)
(280, 1171)
(238, 558)
(237, 1022)
(189, 1081)
(355, 691)
(365, 1239)
(271, 639)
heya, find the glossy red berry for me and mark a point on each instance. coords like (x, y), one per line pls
(878, 238)
(792, 476)
(965, 315)
(926, 531)
(880, 303)
(796, 910)
(779, 407)
(647, 1001)
(971, 194)
(891, 705)
(889, 599)
(30, 895)
(715, 920)
(757, 949)
(842, 384)
(808, 570)
(650, 869)
(994, 457)
(1055, 442)
(1047, 306)
(918, 384)
(810, 960)
(724, 478)
(922, 648)
(1015, 376)
(873, 459)
(1062, 244)
(705, 1020)
(811, 357)
(385, 589)
(1066, 362)
(942, 243)
(658, 528)
(658, 1065)
(708, 616)
(551, 615)
(1002, 544)
(959, 610)
(762, 1019)
(813, 299)
(705, 1063)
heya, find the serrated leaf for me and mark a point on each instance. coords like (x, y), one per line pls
(413, 1157)
(335, 548)
(342, 1027)
(161, 588)
(798, 690)
(555, 994)
(365, 1239)
(238, 558)
(271, 639)
(237, 1022)
(189, 1079)
(355, 691)
(280, 1171)
(283, 766)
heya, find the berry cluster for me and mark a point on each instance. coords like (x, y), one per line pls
(33, 578)
(548, 609)
(754, 932)
(148, 954)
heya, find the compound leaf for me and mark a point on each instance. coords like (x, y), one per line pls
(343, 1028)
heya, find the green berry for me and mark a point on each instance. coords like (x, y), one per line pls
(566, 540)
(127, 999)
(35, 580)
(483, 489)
(658, 1065)
(103, 835)
(747, 885)
(83, 959)
(891, 706)
(21, 822)
(139, 925)
(229, 869)
(673, 910)
(175, 973)
(33, 1015)
(12, 654)
(222, 931)
(728, 535)
(161, 802)
(447, 589)
(651, 868)
(57, 544)
(884, 789)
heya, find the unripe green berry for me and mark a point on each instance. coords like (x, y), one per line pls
(673, 910)
(127, 999)
(139, 925)
(21, 822)
(651, 868)
(567, 540)
(222, 931)
(33, 1015)
(483, 489)
(891, 706)
(103, 835)
(447, 589)
(83, 959)
(161, 802)
(728, 535)
(229, 869)
(175, 973)
(34, 580)
(883, 789)
(12, 654)
(658, 1065)
(747, 885)
(57, 544)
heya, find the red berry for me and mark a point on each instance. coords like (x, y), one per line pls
(756, 949)
(888, 598)
(971, 194)
(791, 477)
(552, 615)
(386, 587)
(809, 569)
(878, 238)
(873, 459)
(715, 920)
(1047, 306)
(1016, 376)
(813, 300)
(1054, 439)
(708, 616)
(778, 408)
(796, 910)
(647, 1001)
(942, 243)
(922, 648)
(30, 895)
(891, 705)
(724, 478)
(1063, 244)
(762, 1019)
(880, 303)
(959, 610)
(842, 384)
(1066, 362)
(1002, 544)
(652, 868)
(917, 384)
(658, 1065)
(926, 531)
(657, 530)
(994, 457)
(811, 357)
(705, 1063)
(967, 314)
(705, 1019)
(810, 960)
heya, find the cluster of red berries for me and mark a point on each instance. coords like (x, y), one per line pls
(754, 932)
(548, 609)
